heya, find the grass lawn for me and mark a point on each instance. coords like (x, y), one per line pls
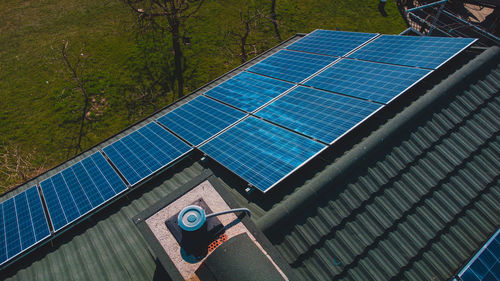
(37, 113)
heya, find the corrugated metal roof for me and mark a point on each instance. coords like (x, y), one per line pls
(107, 246)
(420, 209)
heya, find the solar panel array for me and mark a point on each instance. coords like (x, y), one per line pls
(329, 42)
(367, 80)
(80, 188)
(291, 66)
(145, 151)
(321, 115)
(357, 75)
(419, 51)
(22, 224)
(257, 124)
(200, 119)
(248, 91)
(485, 265)
(260, 152)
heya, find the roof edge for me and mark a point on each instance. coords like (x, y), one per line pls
(336, 171)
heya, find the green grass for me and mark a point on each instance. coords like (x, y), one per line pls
(38, 116)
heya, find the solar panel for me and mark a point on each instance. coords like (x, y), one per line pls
(368, 80)
(420, 51)
(79, 189)
(291, 66)
(261, 153)
(200, 119)
(329, 42)
(485, 264)
(22, 224)
(318, 114)
(145, 151)
(248, 91)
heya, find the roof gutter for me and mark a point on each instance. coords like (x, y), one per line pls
(336, 172)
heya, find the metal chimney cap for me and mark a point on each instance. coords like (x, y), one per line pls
(191, 218)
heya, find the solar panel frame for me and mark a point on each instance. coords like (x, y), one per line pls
(487, 256)
(408, 49)
(252, 91)
(319, 114)
(193, 122)
(278, 65)
(26, 205)
(368, 80)
(331, 42)
(164, 139)
(280, 145)
(63, 209)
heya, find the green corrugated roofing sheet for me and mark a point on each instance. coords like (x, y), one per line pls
(419, 200)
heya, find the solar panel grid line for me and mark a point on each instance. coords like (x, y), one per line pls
(77, 191)
(107, 153)
(152, 143)
(59, 204)
(121, 163)
(362, 45)
(93, 182)
(318, 114)
(40, 215)
(273, 100)
(145, 152)
(71, 192)
(203, 114)
(248, 91)
(281, 64)
(70, 216)
(132, 152)
(424, 52)
(82, 192)
(7, 232)
(109, 166)
(485, 263)
(366, 80)
(458, 52)
(319, 71)
(236, 148)
(31, 217)
(332, 43)
(162, 137)
(266, 148)
(51, 221)
(18, 232)
(3, 238)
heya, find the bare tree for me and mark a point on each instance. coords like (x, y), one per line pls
(76, 69)
(274, 20)
(17, 165)
(168, 15)
(249, 21)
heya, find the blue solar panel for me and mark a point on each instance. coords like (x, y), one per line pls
(291, 66)
(318, 114)
(485, 265)
(200, 119)
(261, 153)
(248, 91)
(420, 51)
(329, 42)
(368, 80)
(79, 189)
(22, 224)
(145, 151)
